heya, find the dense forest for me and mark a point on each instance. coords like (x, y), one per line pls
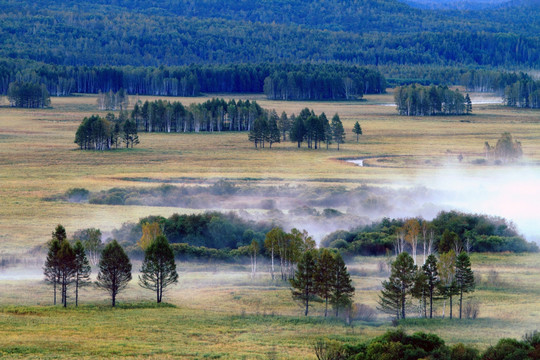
(326, 81)
(376, 32)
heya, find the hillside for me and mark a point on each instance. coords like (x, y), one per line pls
(375, 32)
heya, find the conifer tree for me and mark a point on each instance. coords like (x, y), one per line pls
(432, 276)
(82, 269)
(66, 268)
(273, 135)
(395, 291)
(303, 283)
(159, 268)
(298, 131)
(464, 277)
(338, 132)
(114, 270)
(325, 277)
(468, 104)
(343, 290)
(51, 268)
(357, 130)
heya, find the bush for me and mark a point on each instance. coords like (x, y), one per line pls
(363, 312)
(508, 349)
(462, 352)
(471, 309)
(77, 194)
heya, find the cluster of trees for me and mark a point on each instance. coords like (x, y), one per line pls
(448, 230)
(322, 276)
(212, 115)
(418, 100)
(68, 265)
(321, 84)
(396, 344)
(523, 93)
(97, 133)
(315, 130)
(113, 100)
(211, 230)
(28, 95)
(505, 150)
(436, 279)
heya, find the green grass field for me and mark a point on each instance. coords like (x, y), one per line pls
(218, 312)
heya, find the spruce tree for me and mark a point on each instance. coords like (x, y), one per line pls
(303, 283)
(432, 276)
(464, 277)
(82, 269)
(357, 130)
(298, 131)
(468, 104)
(337, 130)
(114, 270)
(343, 290)
(51, 267)
(273, 135)
(398, 286)
(158, 269)
(325, 277)
(66, 268)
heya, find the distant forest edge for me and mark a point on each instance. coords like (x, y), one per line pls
(277, 81)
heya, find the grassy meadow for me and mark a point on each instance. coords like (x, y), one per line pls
(216, 311)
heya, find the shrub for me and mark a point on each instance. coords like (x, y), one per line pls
(471, 309)
(363, 312)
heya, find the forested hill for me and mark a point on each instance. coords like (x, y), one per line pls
(175, 32)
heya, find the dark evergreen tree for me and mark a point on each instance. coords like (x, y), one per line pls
(284, 125)
(468, 104)
(325, 277)
(158, 269)
(343, 290)
(114, 270)
(82, 269)
(432, 278)
(357, 130)
(298, 131)
(51, 267)
(273, 133)
(464, 277)
(398, 286)
(66, 268)
(130, 136)
(338, 132)
(303, 284)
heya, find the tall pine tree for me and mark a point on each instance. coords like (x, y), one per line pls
(343, 290)
(464, 277)
(303, 284)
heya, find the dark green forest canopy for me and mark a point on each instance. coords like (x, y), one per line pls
(217, 32)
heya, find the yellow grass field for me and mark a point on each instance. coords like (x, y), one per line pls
(38, 158)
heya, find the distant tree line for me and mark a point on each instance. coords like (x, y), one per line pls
(523, 93)
(212, 115)
(448, 230)
(28, 95)
(323, 83)
(306, 81)
(418, 100)
(97, 133)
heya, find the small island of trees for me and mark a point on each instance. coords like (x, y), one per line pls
(418, 100)
(28, 95)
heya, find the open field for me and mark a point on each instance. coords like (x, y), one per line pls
(38, 158)
(218, 312)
